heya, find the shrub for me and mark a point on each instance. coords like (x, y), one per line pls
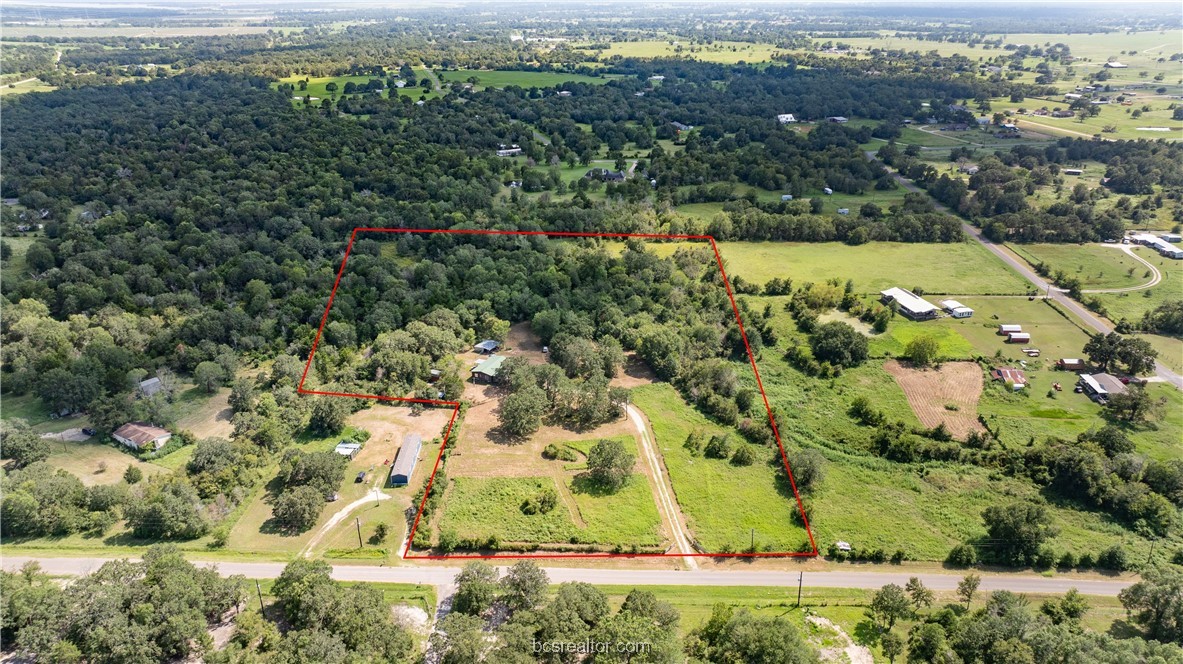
(963, 555)
(898, 557)
(744, 456)
(1067, 561)
(449, 540)
(719, 447)
(541, 503)
(1086, 561)
(133, 475)
(1045, 559)
(1114, 558)
(381, 531)
(563, 453)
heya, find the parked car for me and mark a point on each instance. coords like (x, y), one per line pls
(361, 477)
(88, 431)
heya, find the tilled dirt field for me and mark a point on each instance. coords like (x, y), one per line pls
(931, 393)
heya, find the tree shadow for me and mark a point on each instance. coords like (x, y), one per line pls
(1122, 629)
(584, 484)
(866, 633)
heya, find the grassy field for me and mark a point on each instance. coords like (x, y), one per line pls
(1095, 265)
(959, 269)
(526, 79)
(21, 87)
(723, 503)
(478, 507)
(1134, 304)
(15, 265)
(1119, 117)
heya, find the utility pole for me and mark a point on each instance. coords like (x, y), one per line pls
(358, 522)
(800, 580)
(259, 589)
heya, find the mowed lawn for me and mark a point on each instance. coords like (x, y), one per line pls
(723, 503)
(958, 269)
(1095, 265)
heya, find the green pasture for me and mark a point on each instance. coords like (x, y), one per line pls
(723, 503)
(1095, 265)
(957, 268)
(1133, 305)
(488, 78)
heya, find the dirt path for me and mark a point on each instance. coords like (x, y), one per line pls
(668, 507)
(851, 652)
(371, 496)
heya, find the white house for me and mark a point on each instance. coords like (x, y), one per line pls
(785, 118)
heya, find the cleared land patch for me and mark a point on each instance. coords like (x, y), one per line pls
(946, 395)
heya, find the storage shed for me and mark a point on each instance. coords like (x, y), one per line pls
(1018, 338)
(404, 463)
(956, 309)
(1009, 329)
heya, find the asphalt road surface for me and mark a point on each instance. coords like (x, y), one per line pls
(443, 576)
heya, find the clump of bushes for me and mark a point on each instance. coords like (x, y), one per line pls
(541, 503)
(563, 453)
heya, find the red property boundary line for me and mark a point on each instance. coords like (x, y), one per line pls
(455, 405)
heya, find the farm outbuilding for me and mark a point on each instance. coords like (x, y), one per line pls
(141, 435)
(1010, 375)
(150, 386)
(486, 370)
(1099, 387)
(910, 304)
(956, 309)
(404, 462)
(487, 346)
(1009, 329)
(1018, 338)
(347, 448)
(1070, 364)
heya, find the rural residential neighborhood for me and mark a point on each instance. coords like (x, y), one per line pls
(510, 333)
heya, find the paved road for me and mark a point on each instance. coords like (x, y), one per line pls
(444, 576)
(1018, 265)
